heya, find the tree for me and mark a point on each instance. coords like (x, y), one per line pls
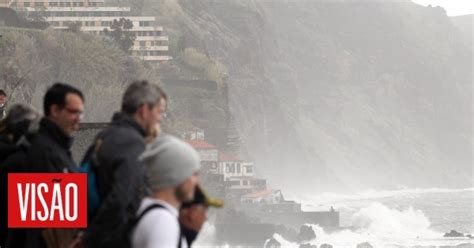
(74, 27)
(121, 34)
(38, 15)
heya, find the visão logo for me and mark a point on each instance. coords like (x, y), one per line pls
(47, 200)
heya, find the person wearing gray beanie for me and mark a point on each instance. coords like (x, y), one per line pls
(173, 167)
(169, 161)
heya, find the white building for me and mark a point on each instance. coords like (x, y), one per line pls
(237, 174)
(4, 3)
(93, 17)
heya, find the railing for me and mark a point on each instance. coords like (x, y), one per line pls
(93, 125)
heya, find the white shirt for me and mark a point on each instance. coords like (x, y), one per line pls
(158, 228)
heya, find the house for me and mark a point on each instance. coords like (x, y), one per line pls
(236, 174)
(208, 153)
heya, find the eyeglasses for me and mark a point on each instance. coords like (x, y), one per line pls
(77, 112)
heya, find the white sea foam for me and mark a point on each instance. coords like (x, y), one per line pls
(382, 227)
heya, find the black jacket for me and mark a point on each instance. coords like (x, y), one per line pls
(122, 182)
(50, 150)
(7, 148)
(12, 164)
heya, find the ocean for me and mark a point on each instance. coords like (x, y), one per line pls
(398, 218)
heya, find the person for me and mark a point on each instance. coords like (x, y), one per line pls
(49, 151)
(16, 131)
(3, 102)
(122, 179)
(193, 214)
(173, 175)
(21, 121)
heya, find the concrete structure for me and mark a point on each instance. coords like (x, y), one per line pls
(271, 207)
(93, 17)
(4, 3)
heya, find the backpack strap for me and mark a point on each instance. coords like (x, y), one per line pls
(148, 209)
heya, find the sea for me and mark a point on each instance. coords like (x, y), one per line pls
(396, 218)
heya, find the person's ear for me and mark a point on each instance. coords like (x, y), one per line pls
(55, 110)
(141, 111)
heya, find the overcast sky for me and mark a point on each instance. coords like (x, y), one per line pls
(452, 7)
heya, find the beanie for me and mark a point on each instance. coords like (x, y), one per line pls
(170, 161)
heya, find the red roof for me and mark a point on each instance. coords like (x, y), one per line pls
(201, 144)
(227, 157)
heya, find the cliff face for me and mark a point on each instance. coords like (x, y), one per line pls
(340, 95)
(465, 25)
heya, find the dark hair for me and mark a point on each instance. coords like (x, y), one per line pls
(2, 93)
(139, 93)
(56, 95)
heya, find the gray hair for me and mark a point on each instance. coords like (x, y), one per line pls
(139, 93)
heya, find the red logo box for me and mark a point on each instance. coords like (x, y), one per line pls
(47, 200)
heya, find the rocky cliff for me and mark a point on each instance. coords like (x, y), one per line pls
(339, 95)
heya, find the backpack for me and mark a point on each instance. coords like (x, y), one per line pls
(89, 165)
(111, 213)
(143, 213)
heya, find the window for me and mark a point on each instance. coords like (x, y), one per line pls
(144, 24)
(26, 4)
(238, 168)
(249, 169)
(142, 43)
(81, 4)
(39, 4)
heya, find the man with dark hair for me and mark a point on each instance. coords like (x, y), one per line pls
(121, 179)
(50, 150)
(3, 102)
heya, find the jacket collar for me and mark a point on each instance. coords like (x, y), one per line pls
(54, 131)
(121, 119)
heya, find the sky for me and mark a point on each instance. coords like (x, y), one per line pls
(452, 7)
